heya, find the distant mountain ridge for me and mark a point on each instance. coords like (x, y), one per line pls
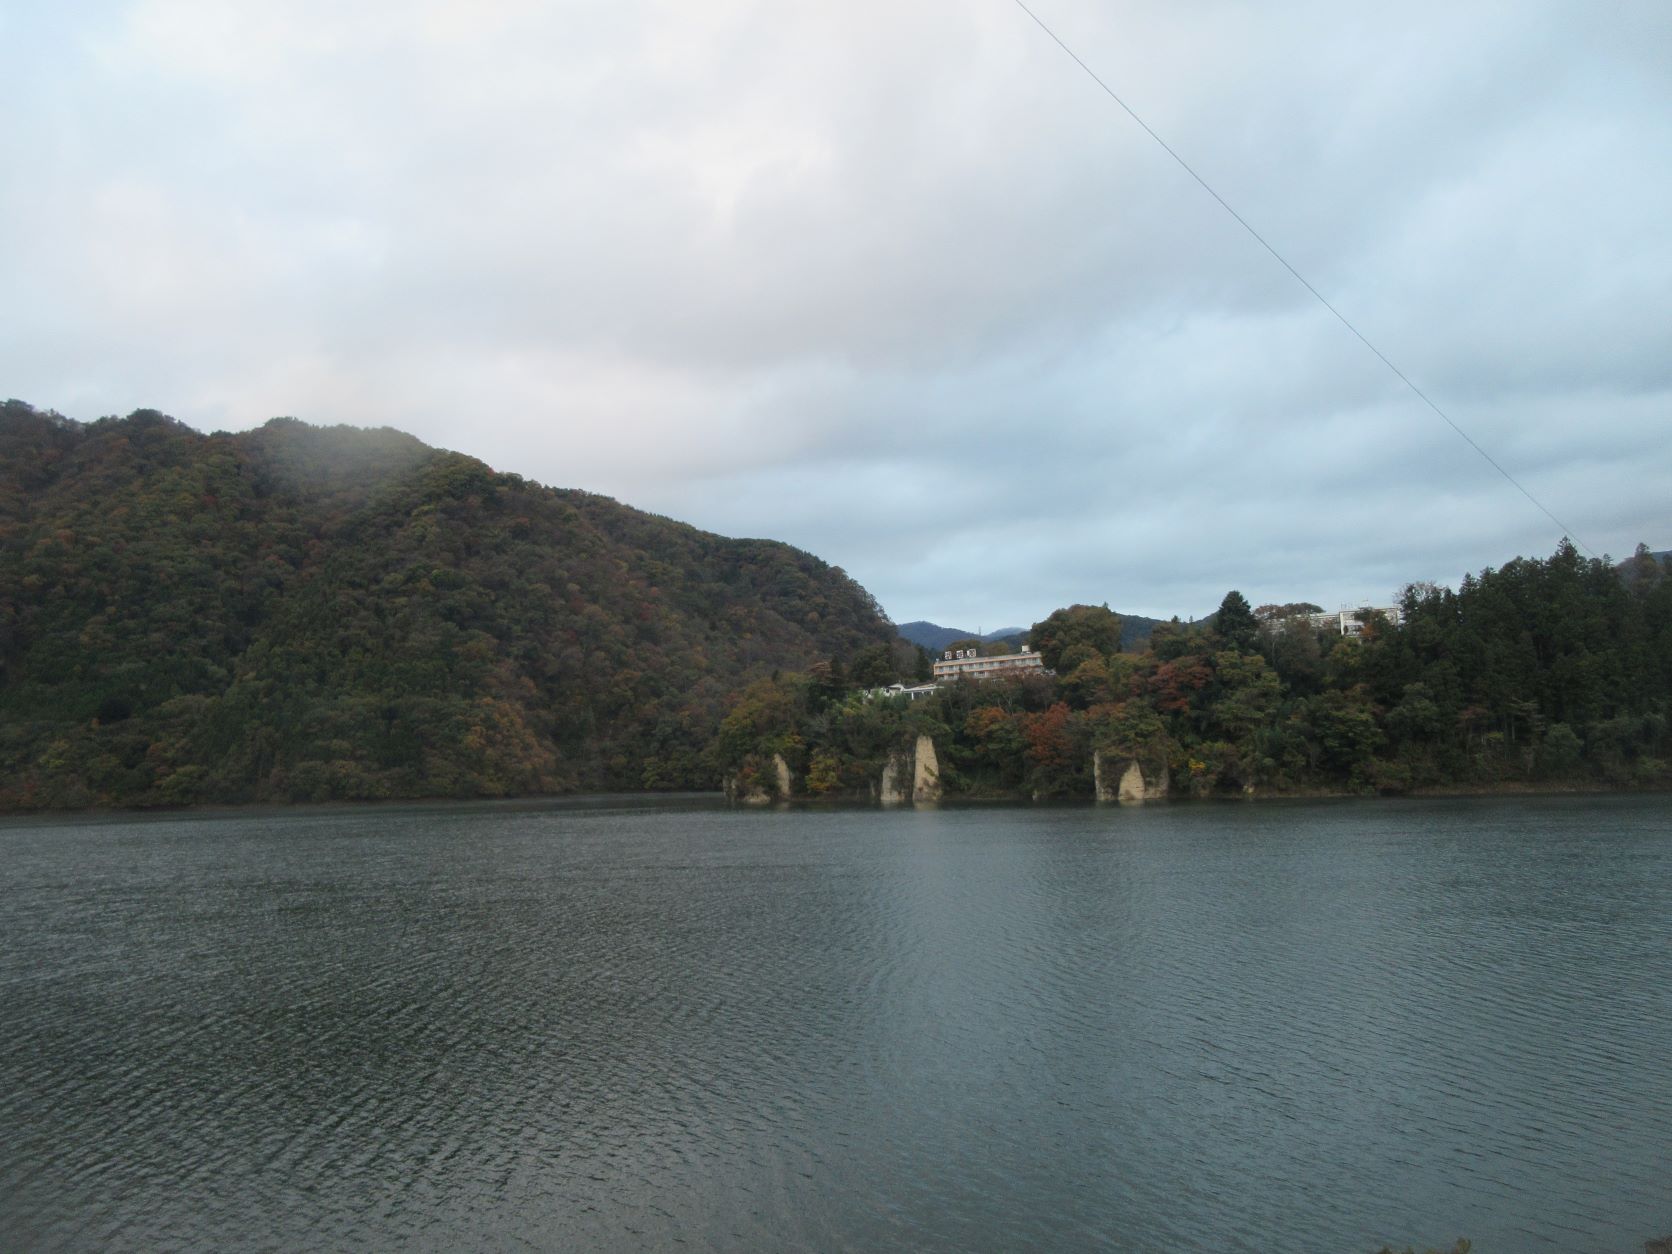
(934, 637)
(1135, 628)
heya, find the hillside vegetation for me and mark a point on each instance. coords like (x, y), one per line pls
(1543, 673)
(297, 613)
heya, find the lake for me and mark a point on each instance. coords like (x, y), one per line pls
(622, 1024)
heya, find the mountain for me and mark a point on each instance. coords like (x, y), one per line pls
(1134, 629)
(298, 613)
(935, 638)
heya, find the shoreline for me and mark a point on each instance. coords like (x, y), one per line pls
(717, 798)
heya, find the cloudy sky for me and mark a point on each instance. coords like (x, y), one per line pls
(890, 279)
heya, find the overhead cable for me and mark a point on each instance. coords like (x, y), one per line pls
(1301, 278)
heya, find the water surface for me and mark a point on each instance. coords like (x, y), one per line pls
(626, 1025)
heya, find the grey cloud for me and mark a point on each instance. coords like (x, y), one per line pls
(895, 283)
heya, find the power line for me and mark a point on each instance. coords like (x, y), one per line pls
(1301, 278)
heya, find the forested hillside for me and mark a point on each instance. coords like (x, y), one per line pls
(302, 613)
(1542, 673)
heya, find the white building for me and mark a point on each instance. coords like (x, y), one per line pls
(1352, 622)
(968, 663)
(913, 693)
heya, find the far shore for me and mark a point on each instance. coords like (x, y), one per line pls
(717, 799)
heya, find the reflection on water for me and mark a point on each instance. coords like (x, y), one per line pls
(616, 1025)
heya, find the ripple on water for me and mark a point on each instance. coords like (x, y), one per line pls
(629, 1026)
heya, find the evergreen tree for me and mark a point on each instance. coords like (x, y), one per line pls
(1235, 623)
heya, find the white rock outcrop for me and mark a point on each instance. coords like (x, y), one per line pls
(756, 792)
(921, 768)
(1124, 779)
(892, 791)
(926, 781)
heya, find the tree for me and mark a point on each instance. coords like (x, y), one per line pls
(1056, 751)
(873, 667)
(1068, 637)
(1172, 640)
(1087, 684)
(1131, 730)
(1235, 623)
(1247, 695)
(1289, 610)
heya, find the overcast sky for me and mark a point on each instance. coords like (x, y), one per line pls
(891, 280)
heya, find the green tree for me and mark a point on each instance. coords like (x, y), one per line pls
(1080, 633)
(1235, 624)
(1247, 694)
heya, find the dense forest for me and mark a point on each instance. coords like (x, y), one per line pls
(1552, 673)
(297, 613)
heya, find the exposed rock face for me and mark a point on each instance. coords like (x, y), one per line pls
(926, 781)
(893, 791)
(922, 768)
(1133, 783)
(781, 773)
